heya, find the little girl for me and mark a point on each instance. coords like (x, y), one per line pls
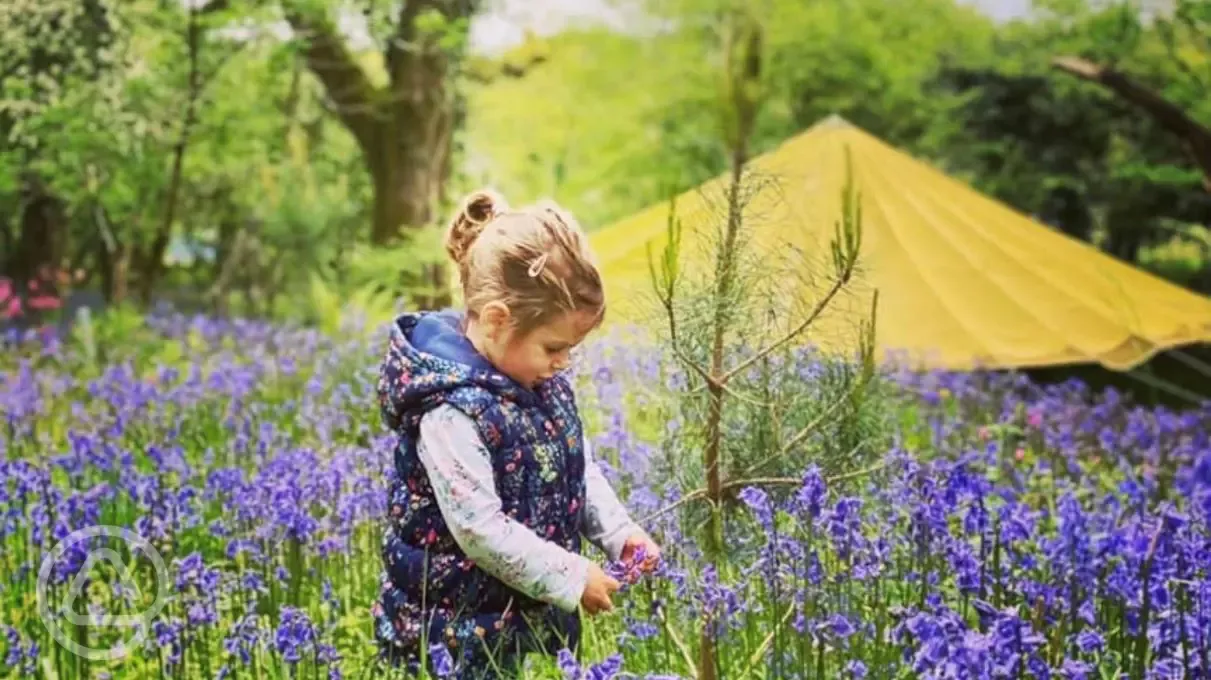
(494, 484)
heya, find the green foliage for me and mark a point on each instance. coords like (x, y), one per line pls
(607, 121)
(1183, 258)
(364, 309)
(623, 120)
(47, 48)
(1068, 151)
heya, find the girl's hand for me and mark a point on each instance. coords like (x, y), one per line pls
(651, 551)
(597, 590)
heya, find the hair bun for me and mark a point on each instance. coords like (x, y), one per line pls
(478, 209)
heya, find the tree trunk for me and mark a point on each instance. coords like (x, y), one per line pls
(113, 256)
(742, 59)
(405, 130)
(153, 259)
(42, 238)
(409, 170)
(1195, 136)
(115, 273)
(229, 257)
(1125, 234)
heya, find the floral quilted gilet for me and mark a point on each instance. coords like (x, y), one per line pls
(430, 588)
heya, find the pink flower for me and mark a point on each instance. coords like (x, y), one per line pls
(11, 308)
(1035, 418)
(44, 302)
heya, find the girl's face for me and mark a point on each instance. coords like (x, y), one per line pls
(540, 354)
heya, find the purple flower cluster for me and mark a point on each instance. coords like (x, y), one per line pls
(1019, 531)
(1014, 530)
(20, 656)
(201, 437)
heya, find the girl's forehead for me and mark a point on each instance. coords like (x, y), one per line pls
(570, 328)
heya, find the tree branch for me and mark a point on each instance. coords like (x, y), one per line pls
(230, 264)
(153, 258)
(807, 429)
(711, 381)
(1167, 114)
(408, 43)
(811, 318)
(402, 43)
(344, 80)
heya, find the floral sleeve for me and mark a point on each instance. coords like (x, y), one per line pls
(607, 523)
(460, 471)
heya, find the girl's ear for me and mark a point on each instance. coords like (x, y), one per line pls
(496, 319)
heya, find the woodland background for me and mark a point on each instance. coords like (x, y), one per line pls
(260, 158)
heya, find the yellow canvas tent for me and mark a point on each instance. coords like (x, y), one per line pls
(964, 281)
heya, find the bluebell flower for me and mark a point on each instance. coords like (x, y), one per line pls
(242, 638)
(295, 634)
(568, 665)
(758, 501)
(607, 669)
(839, 627)
(643, 630)
(1167, 669)
(1089, 641)
(15, 651)
(189, 570)
(855, 669)
(812, 493)
(443, 663)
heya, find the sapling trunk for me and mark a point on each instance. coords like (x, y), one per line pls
(724, 293)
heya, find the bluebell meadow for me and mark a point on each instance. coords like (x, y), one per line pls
(1012, 530)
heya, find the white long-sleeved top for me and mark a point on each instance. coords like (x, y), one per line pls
(459, 467)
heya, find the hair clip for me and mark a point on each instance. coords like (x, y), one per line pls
(537, 265)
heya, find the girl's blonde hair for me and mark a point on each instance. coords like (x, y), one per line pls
(536, 260)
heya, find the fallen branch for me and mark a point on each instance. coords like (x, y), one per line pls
(1167, 114)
